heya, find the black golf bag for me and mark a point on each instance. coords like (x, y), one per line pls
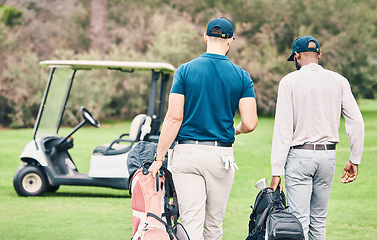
(269, 218)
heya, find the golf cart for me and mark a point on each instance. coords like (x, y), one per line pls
(46, 162)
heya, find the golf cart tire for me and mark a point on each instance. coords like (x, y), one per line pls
(30, 181)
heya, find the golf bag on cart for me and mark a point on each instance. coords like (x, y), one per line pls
(154, 201)
(270, 220)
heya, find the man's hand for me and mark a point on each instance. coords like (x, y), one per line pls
(350, 172)
(237, 131)
(153, 169)
(275, 182)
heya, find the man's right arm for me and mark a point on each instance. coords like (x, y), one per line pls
(282, 135)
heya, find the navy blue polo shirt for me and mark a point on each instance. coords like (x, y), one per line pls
(212, 86)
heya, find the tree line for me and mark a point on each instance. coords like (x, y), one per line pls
(172, 31)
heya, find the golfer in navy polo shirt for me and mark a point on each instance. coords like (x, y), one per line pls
(205, 95)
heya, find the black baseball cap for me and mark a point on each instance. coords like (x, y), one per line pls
(224, 24)
(302, 45)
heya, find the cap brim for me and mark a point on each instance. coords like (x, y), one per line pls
(291, 58)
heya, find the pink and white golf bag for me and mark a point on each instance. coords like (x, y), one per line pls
(155, 216)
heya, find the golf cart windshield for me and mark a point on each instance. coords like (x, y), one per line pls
(53, 104)
(63, 72)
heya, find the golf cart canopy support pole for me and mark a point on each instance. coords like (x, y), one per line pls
(66, 100)
(164, 82)
(37, 121)
(152, 94)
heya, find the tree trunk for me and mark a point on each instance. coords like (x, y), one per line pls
(98, 25)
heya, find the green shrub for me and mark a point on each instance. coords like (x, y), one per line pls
(10, 16)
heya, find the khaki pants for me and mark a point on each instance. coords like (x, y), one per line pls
(203, 186)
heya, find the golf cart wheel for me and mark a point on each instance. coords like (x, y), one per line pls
(30, 181)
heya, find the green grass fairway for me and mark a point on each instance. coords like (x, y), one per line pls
(101, 213)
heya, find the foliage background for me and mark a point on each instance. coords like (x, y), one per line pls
(171, 31)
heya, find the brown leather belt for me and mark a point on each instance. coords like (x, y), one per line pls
(208, 143)
(309, 146)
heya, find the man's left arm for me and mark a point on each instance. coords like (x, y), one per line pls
(354, 125)
(249, 118)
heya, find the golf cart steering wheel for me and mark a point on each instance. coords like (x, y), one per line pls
(89, 118)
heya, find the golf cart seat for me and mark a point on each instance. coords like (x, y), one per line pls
(140, 127)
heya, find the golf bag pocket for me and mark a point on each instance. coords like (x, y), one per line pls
(283, 225)
(154, 228)
(155, 233)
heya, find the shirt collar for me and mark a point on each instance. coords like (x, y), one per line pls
(217, 56)
(312, 67)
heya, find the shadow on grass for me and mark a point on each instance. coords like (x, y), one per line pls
(86, 195)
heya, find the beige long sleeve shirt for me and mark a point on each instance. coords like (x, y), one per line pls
(309, 106)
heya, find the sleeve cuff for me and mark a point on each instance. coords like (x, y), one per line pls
(278, 171)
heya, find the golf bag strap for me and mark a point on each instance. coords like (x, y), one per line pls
(157, 182)
(170, 193)
(263, 217)
(277, 200)
(171, 211)
(169, 228)
(267, 211)
(276, 196)
(170, 189)
(157, 218)
(276, 193)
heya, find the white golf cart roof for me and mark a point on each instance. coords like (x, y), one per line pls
(111, 65)
(60, 81)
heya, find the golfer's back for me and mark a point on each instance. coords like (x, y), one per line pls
(212, 86)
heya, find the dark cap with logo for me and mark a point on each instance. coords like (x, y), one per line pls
(302, 45)
(224, 24)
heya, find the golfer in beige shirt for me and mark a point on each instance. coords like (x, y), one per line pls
(310, 103)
